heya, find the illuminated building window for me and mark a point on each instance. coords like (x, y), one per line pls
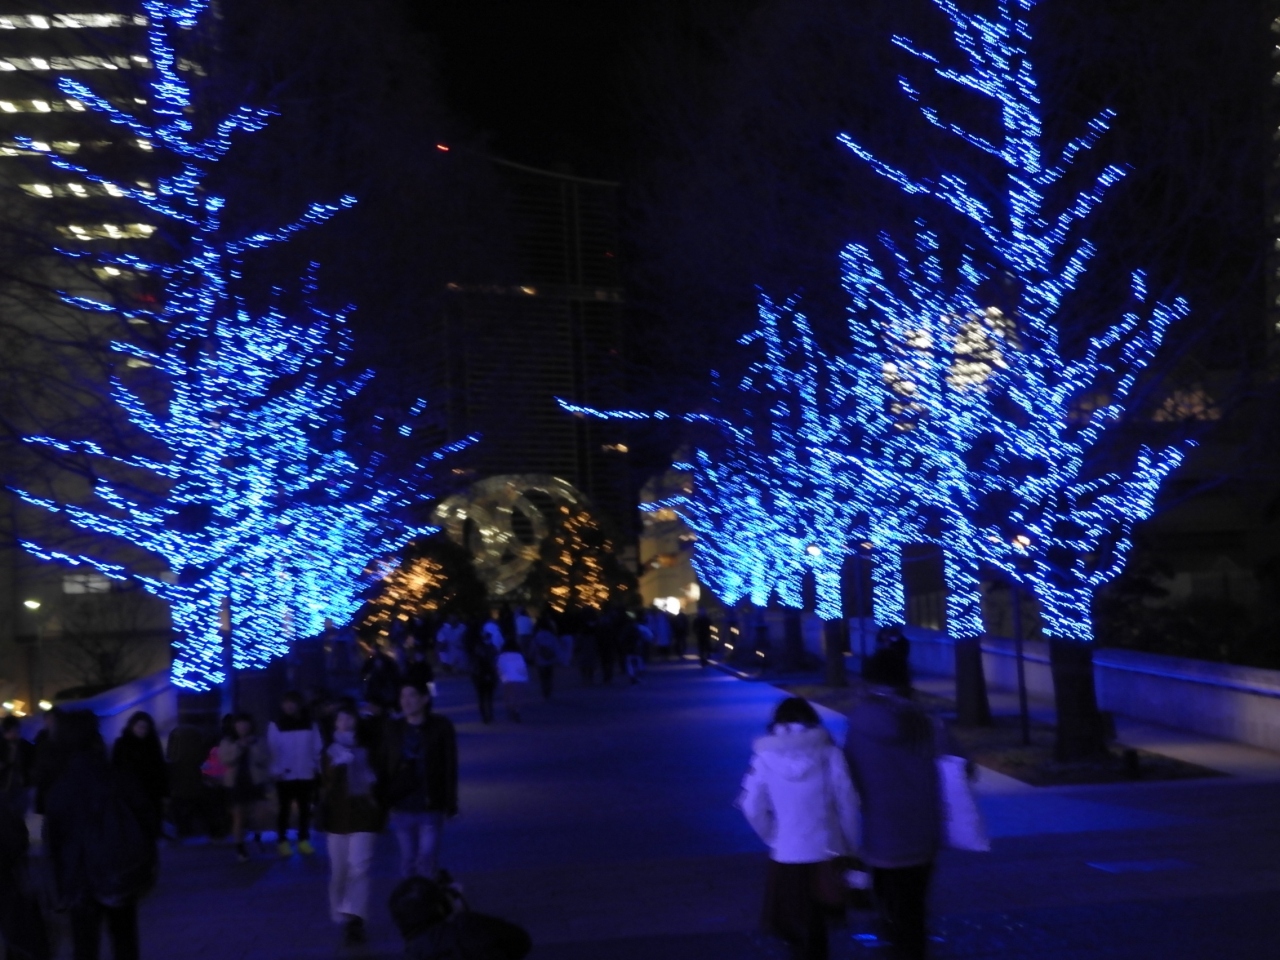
(69, 64)
(85, 583)
(41, 106)
(1083, 407)
(71, 21)
(1193, 403)
(72, 190)
(108, 231)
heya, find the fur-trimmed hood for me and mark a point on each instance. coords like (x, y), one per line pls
(793, 751)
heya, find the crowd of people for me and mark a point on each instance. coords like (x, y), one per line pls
(364, 754)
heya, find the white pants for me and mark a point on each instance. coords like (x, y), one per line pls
(350, 855)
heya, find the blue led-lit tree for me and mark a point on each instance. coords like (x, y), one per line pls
(770, 501)
(922, 353)
(238, 490)
(1046, 507)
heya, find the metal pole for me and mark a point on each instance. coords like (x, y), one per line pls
(228, 699)
(1016, 597)
(862, 623)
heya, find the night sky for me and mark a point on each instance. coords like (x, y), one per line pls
(544, 78)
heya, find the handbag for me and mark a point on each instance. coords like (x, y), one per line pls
(962, 822)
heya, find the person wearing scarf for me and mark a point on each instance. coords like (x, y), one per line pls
(352, 818)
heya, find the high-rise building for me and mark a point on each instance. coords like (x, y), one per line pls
(52, 353)
(508, 350)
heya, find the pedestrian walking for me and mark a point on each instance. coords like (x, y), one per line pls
(631, 644)
(546, 654)
(525, 627)
(137, 754)
(659, 625)
(892, 749)
(295, 744)
(513, 672)
(493, 631)
(246, 766)
(419, 780)
(799, 799)
(586, 650)
(680, 634)
(189, 798)
(17, 766)
(380, 674)
(702, 635)
(608, 643)
(98, 830)
(417, 671)
(451, 644)
(22, 931)
(351, 817)
(484, 677)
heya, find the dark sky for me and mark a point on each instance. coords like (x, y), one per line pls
(545, 78)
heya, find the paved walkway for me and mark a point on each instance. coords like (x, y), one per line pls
(605, 825)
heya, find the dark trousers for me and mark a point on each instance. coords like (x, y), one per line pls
(484, 697)
(901, 893)
(704, 650)
(546, 676)
(289, 792)
(122, 931)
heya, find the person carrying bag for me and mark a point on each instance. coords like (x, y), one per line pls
(799, 799)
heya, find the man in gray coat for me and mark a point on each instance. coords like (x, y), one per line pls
(892, 751)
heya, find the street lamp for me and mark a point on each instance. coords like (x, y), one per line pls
(35, 665)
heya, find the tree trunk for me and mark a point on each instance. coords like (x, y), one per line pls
(1081, 732)
(888, 593)
(833, 647)
(972, 707)
(965, 625)
(793, 643)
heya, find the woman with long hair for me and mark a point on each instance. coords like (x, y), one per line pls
(799, 799)
(137, 753)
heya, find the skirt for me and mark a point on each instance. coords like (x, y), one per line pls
(794, 909)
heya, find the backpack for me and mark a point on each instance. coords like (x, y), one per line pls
(213, 769)
(120, 859)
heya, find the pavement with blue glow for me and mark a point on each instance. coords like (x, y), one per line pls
(604, 823)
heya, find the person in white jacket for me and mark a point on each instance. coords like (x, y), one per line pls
(295, 763)
(799, 799)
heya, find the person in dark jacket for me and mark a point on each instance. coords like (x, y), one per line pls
(417, 670)
(484, 676)
(892, 749)
(22, 931)
(351, 818)
(17, 766)
(137, 754)
(702, 635)
(419, 780)
(380, 675)
(436, 925)
(99, 834)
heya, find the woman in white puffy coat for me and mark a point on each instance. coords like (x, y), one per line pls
(798, 797)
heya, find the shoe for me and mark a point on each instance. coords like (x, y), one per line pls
(284, 849)
(353, 933)
(305, 848)
(241, 853)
